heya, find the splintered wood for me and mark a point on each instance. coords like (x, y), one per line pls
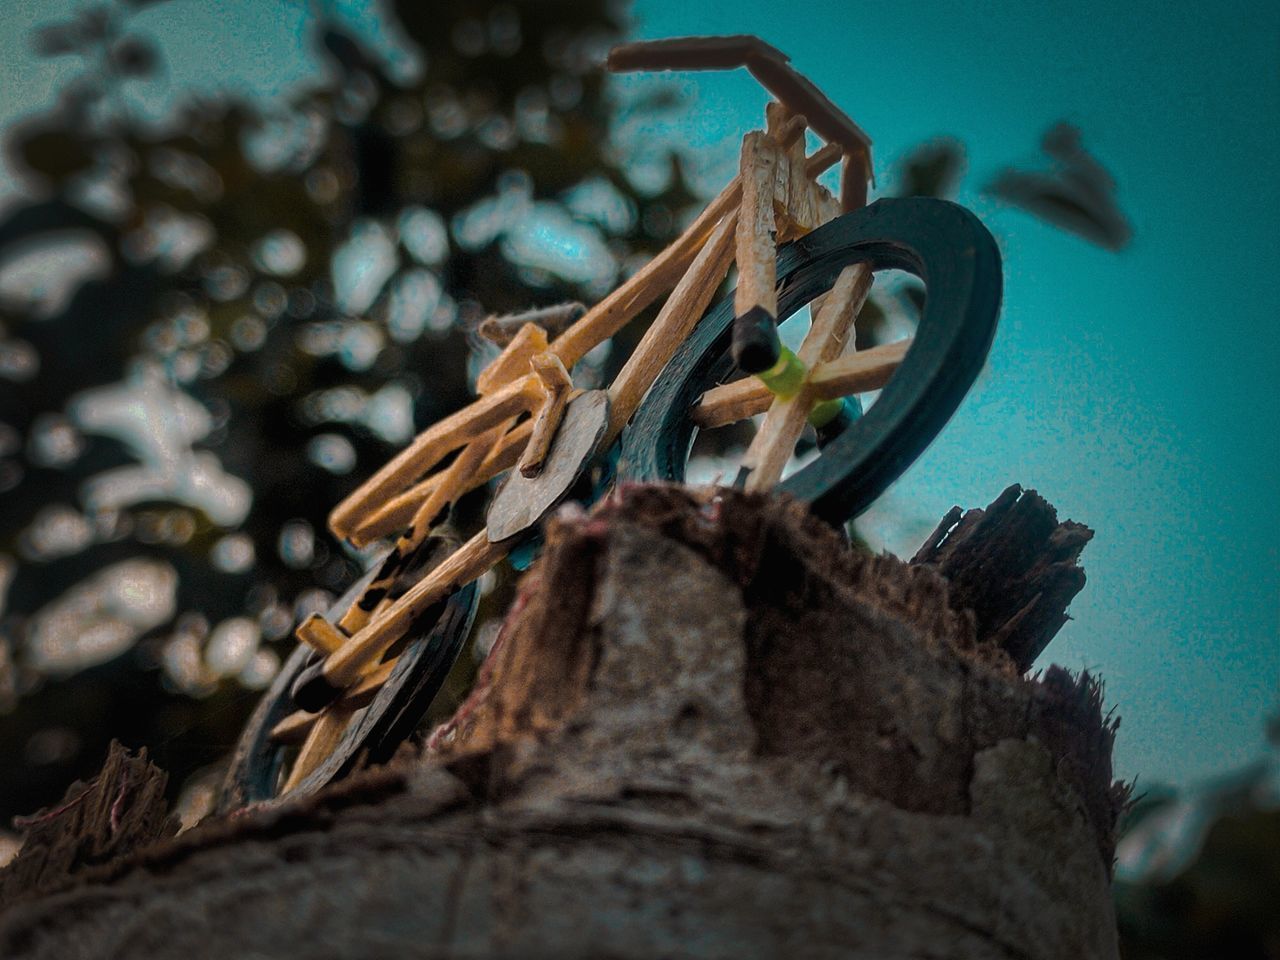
(800, 204)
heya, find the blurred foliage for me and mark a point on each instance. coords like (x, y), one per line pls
(212, 328)
(1078, 194)
(1198, 874)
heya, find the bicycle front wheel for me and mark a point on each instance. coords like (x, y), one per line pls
(939, 242)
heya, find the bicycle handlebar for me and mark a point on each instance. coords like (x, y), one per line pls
(771, 68)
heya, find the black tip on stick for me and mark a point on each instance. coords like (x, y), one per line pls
(312, 691)
(756, 347)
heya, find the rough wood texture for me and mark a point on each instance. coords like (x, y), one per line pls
(709, 729)
(1014, 565)
(118, 811)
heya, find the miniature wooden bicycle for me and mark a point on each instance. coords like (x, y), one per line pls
(364, 675)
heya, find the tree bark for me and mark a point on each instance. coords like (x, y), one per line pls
(708, 729)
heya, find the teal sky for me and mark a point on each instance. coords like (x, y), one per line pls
(1137, 392)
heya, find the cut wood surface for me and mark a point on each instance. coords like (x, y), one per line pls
(708, 728)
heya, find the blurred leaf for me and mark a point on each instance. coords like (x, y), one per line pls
(135, 57)
(932, 170)
(55, 39)
(1078, 195)
(57, 155)
(97, 22)
(1225, 904)
(345, 51)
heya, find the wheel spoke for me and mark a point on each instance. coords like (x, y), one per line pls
(858, 372)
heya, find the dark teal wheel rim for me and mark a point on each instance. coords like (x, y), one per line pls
(940, 242)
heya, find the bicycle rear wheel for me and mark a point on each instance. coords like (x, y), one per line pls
(259, 763)
(939, 242)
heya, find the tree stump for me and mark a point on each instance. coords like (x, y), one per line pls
(709, 728)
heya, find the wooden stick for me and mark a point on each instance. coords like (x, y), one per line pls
(293, 728)
(513, 362)
(778, 115)
(854, 373)
(788, 201)
(803, 97)
(679, 315)
(832, 322)
(647, 284)
(500, 329)
(322, 740)
(469, 561)
(858, 372)
(431, 445)
(773, 444)
(453, 482)
(477, 463)
(428, 498)
(319, 634)
(767, 64)
(807, 204)
(756, 253)
(296, 725)
(823, 159)
(853, 181)
(790, 129)
(397, 511)
(557, 385)
(690, 53)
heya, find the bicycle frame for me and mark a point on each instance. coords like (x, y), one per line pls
(774, 198)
